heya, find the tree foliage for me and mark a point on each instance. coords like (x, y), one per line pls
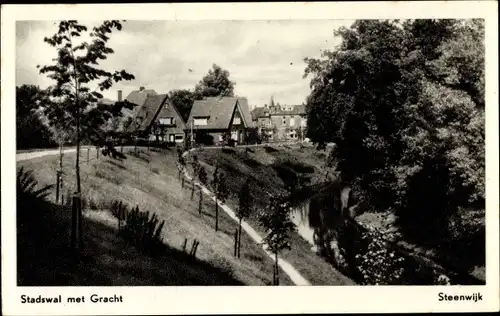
(76, 71)
(276, 220)
(31, 131)
(215, 83)
(244, 201)
(183, 101)
(404, 104)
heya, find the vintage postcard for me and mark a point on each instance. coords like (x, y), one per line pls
(214, 158)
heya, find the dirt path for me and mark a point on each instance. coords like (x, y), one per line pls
(294, 275)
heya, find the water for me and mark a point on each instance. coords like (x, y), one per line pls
(300, 217)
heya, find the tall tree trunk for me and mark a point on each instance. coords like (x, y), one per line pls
(77, 163)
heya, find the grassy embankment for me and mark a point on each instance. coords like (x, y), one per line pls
(107, 260)
(266, 166)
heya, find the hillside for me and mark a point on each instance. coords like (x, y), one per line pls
(155, 188)
(267, 167)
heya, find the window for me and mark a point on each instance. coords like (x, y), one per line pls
(179, 138)
(236, 121)
(234, 135)
(201, 121)
(292, 121)
(284, 120)
(304, 122)
(167, 121)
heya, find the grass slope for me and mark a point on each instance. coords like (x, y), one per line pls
(264, 166)
(155, 188)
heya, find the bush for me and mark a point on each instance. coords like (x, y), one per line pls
(377, 264)
(30, 199)
(140, 229)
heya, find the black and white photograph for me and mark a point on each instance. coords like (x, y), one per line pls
(248, 152)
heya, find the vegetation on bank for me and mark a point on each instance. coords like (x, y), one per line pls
(156, 189)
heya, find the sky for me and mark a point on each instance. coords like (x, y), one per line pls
(264, 58)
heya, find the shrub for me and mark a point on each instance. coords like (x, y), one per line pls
(141, 229)
(30, 199)
(377, 264)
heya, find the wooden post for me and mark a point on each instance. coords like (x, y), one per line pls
(216, 214)
(88, 155)
(200, 202)
(80, 223)
(58, 184)
(119, 219)
(235, 242)
(239, 239)
(98, 150)
(74, 223)
(192, 188)
(185, 244)
(277, 269)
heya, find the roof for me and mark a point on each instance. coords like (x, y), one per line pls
(219, 111)
(139, 97)
(245, 111)
(298, 109)
(258, 112)
(107, 101)
(150, 109)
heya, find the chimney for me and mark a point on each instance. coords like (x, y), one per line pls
(141, 89)
(120, 96)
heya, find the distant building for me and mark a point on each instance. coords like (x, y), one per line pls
(137, 97)
(281, 122)
(213, 117)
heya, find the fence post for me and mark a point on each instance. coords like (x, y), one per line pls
(98, 150)
(200, 202)
(74, 223)
(58, 181)
(80, 223)
(184, 245)
(88, 155)
(235, 241)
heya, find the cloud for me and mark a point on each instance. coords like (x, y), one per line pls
(264, 58)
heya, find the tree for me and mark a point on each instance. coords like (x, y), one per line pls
(252, 136)
(183, 101)
(75, 71)
(403, 102)
(244, 208)
(195, 164)
(276, 220)
(31, 131)
(221, 192)
(202, 176)
(215, 83)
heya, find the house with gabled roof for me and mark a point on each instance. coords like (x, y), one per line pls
(138, 97)
(213, 117)
(160, 120)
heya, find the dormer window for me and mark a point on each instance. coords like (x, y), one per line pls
(200, 121)
(237, 121)
(167, 121)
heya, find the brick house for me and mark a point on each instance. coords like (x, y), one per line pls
(213, 117)
(281, 122)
